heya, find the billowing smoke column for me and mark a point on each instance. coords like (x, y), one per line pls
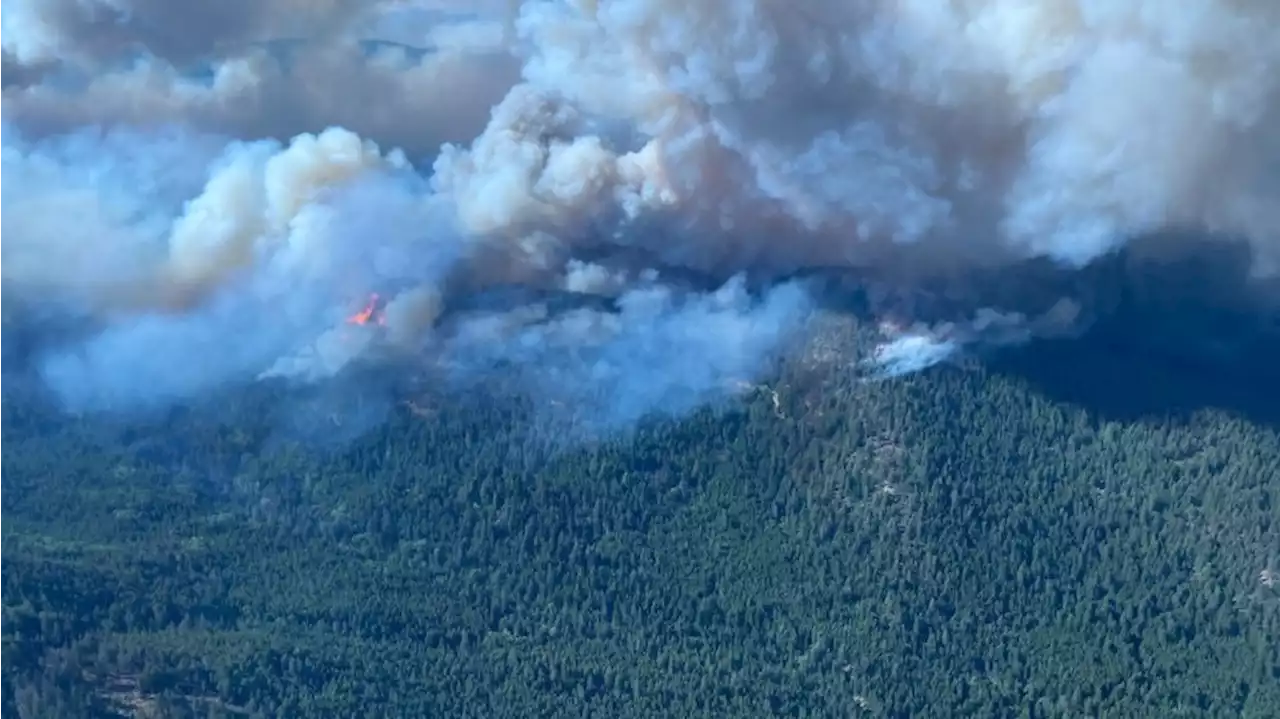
(222, 186)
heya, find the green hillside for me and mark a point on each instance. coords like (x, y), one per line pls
(963, 542)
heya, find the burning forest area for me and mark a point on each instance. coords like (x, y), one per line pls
(372, 313)
(605, 203)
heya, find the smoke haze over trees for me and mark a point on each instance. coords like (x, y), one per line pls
(641, 358)
(213, 191)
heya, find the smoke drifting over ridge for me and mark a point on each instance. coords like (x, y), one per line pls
(608, 195)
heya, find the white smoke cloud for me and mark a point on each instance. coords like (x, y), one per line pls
(909, 350)
(174, 172)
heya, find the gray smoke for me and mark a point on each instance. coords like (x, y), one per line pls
(232, 190)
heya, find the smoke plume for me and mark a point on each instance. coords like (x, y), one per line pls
(622, 202)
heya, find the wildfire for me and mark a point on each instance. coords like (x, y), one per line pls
(372, 312)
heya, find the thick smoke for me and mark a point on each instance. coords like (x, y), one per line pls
(611, 199)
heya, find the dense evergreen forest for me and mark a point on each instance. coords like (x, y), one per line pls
(1036, 535)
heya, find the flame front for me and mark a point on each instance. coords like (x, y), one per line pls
(369, 313)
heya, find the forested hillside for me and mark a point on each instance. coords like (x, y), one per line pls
(964, 542)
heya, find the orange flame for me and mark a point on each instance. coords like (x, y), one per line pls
(369, 313)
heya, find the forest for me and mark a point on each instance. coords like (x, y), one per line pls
(1065, 530)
